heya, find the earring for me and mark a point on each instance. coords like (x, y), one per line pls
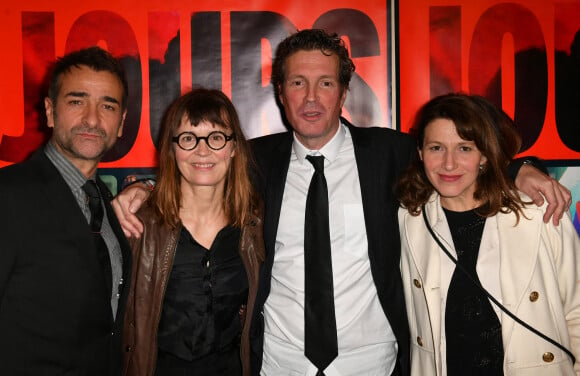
(481, 166)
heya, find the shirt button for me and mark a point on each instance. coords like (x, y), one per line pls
(548, 357)
(417, 283)
(420, 341)
(534, 296)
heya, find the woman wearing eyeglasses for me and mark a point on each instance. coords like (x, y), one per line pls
(195, 267)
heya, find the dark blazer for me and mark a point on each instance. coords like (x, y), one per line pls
(381, 154)
(55, 309)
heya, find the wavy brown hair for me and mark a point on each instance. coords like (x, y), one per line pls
(494, 134)
(215, 107)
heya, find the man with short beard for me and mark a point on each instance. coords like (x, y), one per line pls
(64, 265)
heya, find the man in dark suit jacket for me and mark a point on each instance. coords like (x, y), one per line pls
(380, 155)
(61, 302)
(311, 73)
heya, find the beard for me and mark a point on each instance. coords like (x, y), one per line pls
(82, 142)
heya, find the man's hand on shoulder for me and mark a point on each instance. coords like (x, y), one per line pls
(126, 204)
(540, 186)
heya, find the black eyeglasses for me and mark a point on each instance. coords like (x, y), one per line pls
(216, 140)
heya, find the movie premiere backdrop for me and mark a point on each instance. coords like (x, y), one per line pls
(522, 55)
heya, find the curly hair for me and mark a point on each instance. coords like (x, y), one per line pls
(494, 134)
(308, 40)
(215, 107)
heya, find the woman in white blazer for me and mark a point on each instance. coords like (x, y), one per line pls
(530, 267)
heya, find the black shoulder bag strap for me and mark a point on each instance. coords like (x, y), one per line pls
(494, 300)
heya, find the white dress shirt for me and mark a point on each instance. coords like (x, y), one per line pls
(366, 342)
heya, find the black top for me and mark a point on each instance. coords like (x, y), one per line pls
(472, 328)
(200, 319)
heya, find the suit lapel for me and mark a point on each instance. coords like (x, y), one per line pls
(58, 195)
(369, 181)
(376, 175)
(273, 160)
(274, 188)
(72, 221)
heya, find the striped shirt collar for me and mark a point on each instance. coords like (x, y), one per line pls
(73, 177)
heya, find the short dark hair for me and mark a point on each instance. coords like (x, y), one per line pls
(308, 40)
(93, 57)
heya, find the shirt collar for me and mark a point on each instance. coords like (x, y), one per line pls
(329, 151)
(73, 177)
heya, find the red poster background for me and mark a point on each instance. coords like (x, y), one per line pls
(523, 55)
(170, 45)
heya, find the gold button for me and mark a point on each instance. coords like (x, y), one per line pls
(548, 357)
(420, 341)
(417, 283)
(534, 296)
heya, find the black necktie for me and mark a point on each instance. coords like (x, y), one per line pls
(96, 208)
(320, 343)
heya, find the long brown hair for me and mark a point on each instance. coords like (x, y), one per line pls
(212, 106)
(494, 134)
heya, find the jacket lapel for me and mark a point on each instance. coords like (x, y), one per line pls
(424, 250)
(58, 194)
(426, 256)
(273, 161)
(370, 186)
(518, 253)
(274, 188)
(73, 223)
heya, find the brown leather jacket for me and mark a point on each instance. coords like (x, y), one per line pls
(153, 255)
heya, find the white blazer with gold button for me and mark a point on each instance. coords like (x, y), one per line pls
(539, 272)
